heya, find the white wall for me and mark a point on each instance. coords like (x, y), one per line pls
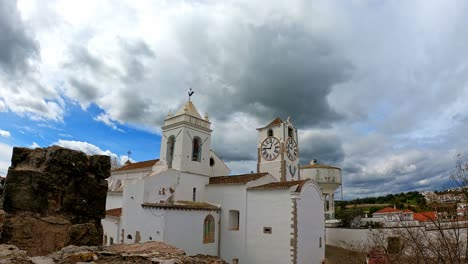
(219, 168)
(184, 229)
(184, 191)
(268, 208)
(339, 237)
(113, 200)
(230, 197)
(111, 229)
(311, 225)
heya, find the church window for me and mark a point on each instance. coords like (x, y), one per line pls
(105, 239)
(233, 220)
(150, 238)
(290, 132)
(212, 162)
(111, 241)
(170, 151)
(270, 132)
(320, 242)
(267, 230)
(209, 229)
(129, 237)
(118, 186)
(194, 194)
(196, 149)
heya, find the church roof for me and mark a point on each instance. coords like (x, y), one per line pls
(137, 165)
(188, 108)
(236, 179)
(116, 212)
(275, 122)
(183, 205)
(319, 166)
(281, 185)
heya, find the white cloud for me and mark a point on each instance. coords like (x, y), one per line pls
(4, 133)
(5, 158)
(380, 101)
(34, 145)
(89, 149)
(106, 119)
(2, 106)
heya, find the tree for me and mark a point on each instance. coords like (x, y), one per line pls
(443, 239)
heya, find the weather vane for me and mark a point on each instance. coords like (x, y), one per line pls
(190, 93)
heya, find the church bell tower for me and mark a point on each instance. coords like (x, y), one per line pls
(186, 141)
(278, 151)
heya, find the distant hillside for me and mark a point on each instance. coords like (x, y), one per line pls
(413, 200)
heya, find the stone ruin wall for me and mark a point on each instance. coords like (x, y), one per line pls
(54, 197)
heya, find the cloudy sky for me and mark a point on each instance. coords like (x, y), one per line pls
(378, 88)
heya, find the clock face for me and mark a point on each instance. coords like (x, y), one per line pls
(291, 149)
(270, 148)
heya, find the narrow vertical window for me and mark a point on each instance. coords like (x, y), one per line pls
(170, 151)
(196, 149)
(194, 194)
(233, 220)
(209, 229)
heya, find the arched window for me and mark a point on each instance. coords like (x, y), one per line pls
(290, 132)
(270, 132)
(194, 194)
(196, 149)
(212, 162)
(209, 230)
(170, 151)
(118, 186)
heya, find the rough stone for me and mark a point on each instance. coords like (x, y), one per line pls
(54, 197)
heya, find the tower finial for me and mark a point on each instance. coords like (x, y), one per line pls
(190, 93)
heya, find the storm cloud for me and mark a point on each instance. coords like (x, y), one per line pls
(378, 89)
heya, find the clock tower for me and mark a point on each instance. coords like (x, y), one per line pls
(278, 151)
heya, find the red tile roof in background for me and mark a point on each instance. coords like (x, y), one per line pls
(387, 210)
(425, 216)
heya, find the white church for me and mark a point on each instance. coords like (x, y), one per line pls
(188, 199)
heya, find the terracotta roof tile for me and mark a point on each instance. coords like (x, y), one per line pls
(281, 185)
(236, 179)
(387, 210)
(275, 122)
(137, 165)
(116, 212)
(183, 205)
(425, 216)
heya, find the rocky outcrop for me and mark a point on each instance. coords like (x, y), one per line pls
(54, 197)
(149, 252)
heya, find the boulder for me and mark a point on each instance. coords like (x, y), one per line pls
(54, 197)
